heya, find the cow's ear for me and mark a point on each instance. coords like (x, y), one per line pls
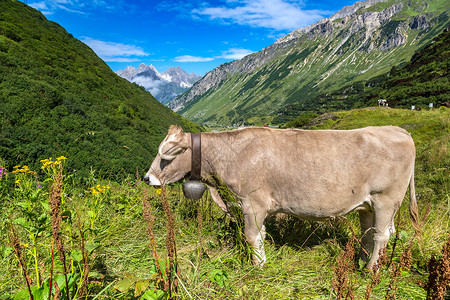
(174, 144)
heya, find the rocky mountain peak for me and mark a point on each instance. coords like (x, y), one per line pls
(146, 68)
(163, 86)
(127, 73)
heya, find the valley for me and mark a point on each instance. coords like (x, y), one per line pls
(354, 45)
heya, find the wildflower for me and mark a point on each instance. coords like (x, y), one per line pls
(2, 172)
(17, 181)
(49, 162)
(95, 190)
(46, 164)
(23, 170)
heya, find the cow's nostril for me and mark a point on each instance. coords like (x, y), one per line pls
(147, 179)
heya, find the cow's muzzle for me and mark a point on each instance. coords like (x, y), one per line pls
(151, 179)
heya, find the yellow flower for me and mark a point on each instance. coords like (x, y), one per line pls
(16, 169)
(158, 191)
(47, 163)
(24, 170)
(61, 158)
(17, 181)
(95, 190)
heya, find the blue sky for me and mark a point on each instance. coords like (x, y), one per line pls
(196, 35)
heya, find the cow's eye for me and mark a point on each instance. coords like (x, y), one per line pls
(164, 163)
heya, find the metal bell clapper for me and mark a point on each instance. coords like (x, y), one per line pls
(193, 189)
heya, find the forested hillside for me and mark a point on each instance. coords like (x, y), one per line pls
(58, 98)
(423, 80)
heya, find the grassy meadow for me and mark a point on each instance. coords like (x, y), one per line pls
(68, 236)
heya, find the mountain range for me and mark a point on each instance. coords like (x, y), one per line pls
(356, 44)
(163, 86)
(423, 82)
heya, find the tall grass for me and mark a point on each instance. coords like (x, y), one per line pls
(124, 241)
(124, 254)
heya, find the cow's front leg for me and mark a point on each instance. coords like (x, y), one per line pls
(255, 233)
(366, 219)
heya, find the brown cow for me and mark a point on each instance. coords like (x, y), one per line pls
(312, 174)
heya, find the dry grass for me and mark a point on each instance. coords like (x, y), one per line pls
(439, 278)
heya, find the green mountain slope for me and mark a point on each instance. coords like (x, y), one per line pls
(423, 80)
(356, 44)
(58, 98)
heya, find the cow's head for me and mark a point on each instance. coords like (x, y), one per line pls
(173, 161)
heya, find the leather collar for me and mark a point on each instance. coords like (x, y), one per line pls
(196, 166)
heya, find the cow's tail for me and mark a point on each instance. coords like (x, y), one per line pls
(413, 210)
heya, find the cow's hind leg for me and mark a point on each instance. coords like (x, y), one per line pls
(385, 207)
(366, 219)
(254, 230)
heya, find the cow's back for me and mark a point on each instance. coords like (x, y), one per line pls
(318, 173)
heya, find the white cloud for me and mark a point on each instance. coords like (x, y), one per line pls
(153, 86)
(235, 53)
(190, 58)
(120, 59)
(42, 7)
(48, 7)
(274, 14)
(115, 52)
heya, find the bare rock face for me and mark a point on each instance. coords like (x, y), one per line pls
(394, 40)
(419, 22)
